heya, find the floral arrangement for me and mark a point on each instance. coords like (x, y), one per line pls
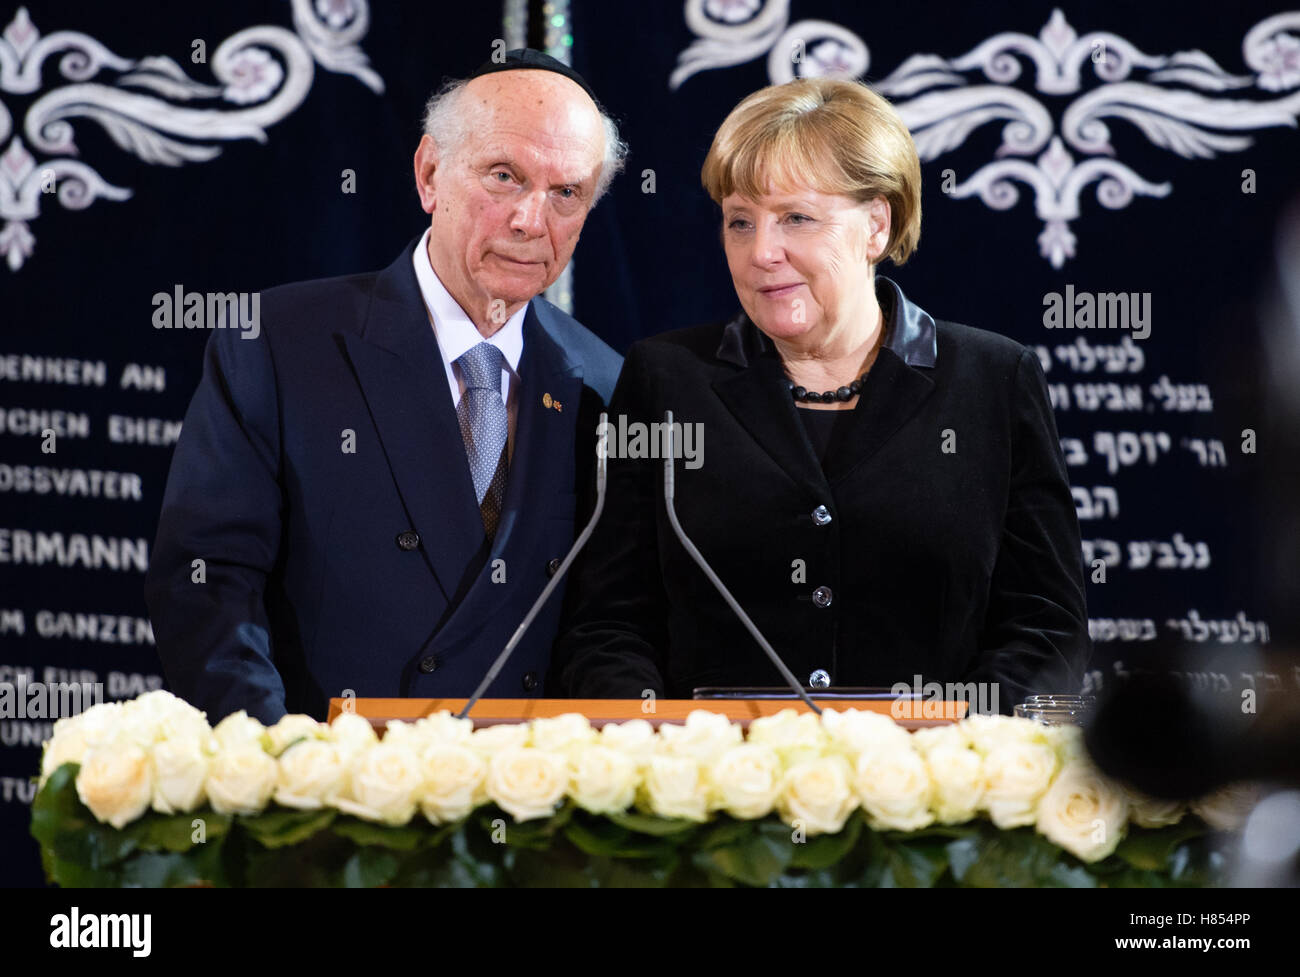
(147, 792)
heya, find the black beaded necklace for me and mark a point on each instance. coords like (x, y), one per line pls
(842, 394)
(830, 396)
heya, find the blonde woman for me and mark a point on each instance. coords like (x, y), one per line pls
(882, 491)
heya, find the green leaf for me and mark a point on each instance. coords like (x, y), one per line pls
(76, 849)
(201, 865)
(407, 837)
(755, 860)
(1152, 848)
(724, 831)
(650, 824)
(316, 862)
(825, 851)
(370, 867)
(914, 864)
(535, 834)
(277, 827)
(596, 836)
(1019, 858)
(175, 832)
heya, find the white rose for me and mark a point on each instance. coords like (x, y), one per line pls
(818, 795)
(857, 731)
(352, 734)
(385, 784)
(986, 733)
(634, 738)
(1067, 741)
(795, 736)
(602, 780)
(704, 737)
(1083, 812)
(73, 736)
(159, 715)
(241, 778)
(931, 738)
(562, 734)
(746, 780)
(312, 773)
(526, 782)
(291, 729)
(957, 774)
(116, 782)
(1016, 775)
(454, 782)
(1228, 807)
(441, 728)
(240, 729)
(180, 765)
(1153, 812)
(676, 787)
(894, 787)
(490, 740)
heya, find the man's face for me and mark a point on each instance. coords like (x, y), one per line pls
(509, 201)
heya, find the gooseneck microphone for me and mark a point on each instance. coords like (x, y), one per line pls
(602, 453)
(669, 491)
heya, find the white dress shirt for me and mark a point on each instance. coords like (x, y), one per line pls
(456, 335)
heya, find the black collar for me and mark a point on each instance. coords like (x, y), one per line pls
(910, 331)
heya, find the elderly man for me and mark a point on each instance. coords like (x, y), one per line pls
(369, 494)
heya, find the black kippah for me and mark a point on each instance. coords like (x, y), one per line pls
(529, 58)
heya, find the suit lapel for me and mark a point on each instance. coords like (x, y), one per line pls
(759, 398)
(538, 463)
(401, 374)
(897, 385)
(543, 449)
(892, 393)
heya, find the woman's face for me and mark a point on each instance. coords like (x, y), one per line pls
(801, 260)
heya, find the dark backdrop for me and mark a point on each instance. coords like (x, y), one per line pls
(262, 213)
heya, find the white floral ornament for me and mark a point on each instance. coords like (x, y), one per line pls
(146, 106)
(942, 106)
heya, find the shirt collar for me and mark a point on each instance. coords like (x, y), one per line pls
(455, 333)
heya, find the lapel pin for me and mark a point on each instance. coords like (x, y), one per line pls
(548, 402)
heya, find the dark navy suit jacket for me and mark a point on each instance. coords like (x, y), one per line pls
(312, 582)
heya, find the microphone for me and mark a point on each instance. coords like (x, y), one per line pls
(669, 478)
(602, 453)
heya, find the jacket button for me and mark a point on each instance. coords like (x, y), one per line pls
(820, 679)
(822, 596)
(821, 515)
(428, 663)
(530, 681)
(408, 540)
(553, 567)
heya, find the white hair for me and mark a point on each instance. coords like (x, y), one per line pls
(447, 126)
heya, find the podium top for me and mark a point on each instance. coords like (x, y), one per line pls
(911, 714)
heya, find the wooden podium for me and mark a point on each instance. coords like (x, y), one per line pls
(491, 712)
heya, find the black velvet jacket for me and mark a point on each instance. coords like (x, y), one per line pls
(951, 551)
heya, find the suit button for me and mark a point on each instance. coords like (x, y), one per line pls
(820, 679)
(428, 663)
(530, 681)
(553, 567)
(408, 540)
(821, 515)
(822, 596)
